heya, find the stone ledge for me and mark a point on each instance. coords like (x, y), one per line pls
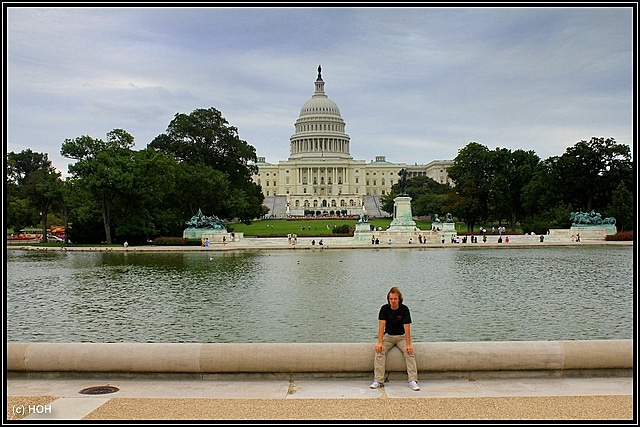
(555, 357)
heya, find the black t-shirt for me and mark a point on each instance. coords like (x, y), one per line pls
(396, 319)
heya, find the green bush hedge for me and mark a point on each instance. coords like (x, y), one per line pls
(172, 241)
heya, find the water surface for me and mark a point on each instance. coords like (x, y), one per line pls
(455, 294)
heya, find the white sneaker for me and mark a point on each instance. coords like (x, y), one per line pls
(375, 384)
(414, 385)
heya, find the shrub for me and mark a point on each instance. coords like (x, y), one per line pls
(341, 229)
(620, 236)
(172, 241)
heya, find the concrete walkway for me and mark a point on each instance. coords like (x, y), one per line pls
(151, 398)
(304, 243)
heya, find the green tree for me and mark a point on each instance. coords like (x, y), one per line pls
(511, 172)
(149, 178)
(205, 139)
(32, 186)
(427, 195)
(590, 172)
(471, 172)
(104, 168)
(542, 202)
(20, 165)
(85, 224)
(157, 189)
(621, 207)
(202, 187)
(43, 187)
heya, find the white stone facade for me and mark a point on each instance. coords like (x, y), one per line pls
(320, 176)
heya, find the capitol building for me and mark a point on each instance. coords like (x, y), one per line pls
(320, 178)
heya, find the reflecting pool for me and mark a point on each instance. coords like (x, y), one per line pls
(455, 294)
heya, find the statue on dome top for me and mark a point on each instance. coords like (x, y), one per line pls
(319, 72)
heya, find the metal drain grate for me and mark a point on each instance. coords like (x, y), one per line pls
(102, 389)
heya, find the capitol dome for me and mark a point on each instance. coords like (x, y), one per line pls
(320, 130)
(320, 104)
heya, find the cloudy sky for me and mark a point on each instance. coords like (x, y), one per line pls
(412, 84)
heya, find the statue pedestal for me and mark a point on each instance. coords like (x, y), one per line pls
(448, 230)
(402, 217)
(362, 232)
(593, 232)
(197, 233)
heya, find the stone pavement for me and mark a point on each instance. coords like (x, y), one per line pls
(154, 398)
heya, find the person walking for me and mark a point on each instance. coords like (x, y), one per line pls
(394, 329)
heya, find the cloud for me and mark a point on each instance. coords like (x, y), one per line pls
(414, 84)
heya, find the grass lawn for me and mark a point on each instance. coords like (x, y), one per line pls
(303, 228)
(312, 227)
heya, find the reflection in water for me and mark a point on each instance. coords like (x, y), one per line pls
(455, 294)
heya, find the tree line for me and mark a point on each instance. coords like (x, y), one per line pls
(517, 188)
(115, 193)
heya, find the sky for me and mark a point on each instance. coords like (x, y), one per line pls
(413, 84)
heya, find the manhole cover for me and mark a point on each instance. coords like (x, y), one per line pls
(102, 389)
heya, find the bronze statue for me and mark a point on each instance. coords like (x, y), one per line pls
(201, 221)
(403, 181)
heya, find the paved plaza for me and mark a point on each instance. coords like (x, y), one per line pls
(143, 398)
